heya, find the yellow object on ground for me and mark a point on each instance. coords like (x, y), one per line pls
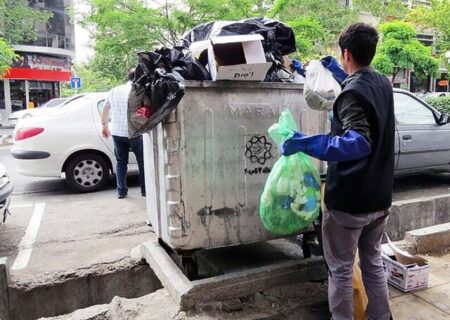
(359, 293)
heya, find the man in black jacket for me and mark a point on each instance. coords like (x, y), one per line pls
(358, 194)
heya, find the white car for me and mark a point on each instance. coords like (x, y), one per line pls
(67, 139)
(6, 188)
(23, 114)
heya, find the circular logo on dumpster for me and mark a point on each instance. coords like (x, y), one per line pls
(258, 149)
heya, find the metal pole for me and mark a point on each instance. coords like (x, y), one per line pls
(27, 94)
(7, 91)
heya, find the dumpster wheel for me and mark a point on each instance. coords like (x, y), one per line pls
(190, 267)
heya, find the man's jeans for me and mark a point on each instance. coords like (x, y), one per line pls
(342, 233)
(122, 147)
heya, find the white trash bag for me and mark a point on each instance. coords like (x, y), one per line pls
(321, 89)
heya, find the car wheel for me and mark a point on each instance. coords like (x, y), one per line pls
(87, 172)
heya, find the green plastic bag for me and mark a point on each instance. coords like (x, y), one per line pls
(291, 196)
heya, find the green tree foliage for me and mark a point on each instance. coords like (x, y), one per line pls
(17, 24)
(121, 28)
(18, 20)
(317, 23)
(92, 81)
(7, 56)
(436, 17)
(382, 9)
(400, 49)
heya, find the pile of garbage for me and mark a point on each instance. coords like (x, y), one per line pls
(158, 84)
(253, 49)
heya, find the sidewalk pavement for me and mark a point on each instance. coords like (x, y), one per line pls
(431, 303)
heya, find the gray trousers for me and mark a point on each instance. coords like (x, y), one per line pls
(342, 233)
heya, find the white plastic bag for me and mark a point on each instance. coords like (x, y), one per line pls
(321, 89)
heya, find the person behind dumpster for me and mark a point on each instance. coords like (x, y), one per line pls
(358, 191)
(117, 101)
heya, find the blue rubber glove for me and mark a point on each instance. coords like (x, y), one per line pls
(333, 65)
(348, 147)
(297, 66)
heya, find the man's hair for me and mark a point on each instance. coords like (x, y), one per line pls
(361, 40)
(130, 74)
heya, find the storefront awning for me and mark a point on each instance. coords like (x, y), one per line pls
(38, 74)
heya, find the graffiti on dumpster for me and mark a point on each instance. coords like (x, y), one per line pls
(258, 170)
(258, 150)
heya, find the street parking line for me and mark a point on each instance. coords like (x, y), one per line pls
(21, 206)
(26, 244)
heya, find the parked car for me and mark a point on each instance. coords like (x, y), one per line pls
(6, 188)
(67, 139)
(422, 141)
(23, 114)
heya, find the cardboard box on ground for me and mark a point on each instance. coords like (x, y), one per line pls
(403, 270)
(238, 57)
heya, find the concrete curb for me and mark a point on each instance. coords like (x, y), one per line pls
(4, 291)
(430, 239)
(417, 213)
(229, 286)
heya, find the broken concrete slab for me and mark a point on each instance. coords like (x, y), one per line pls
(155, 306)
(234, 283)
(306, 301)
(4, 294)
(430, 239)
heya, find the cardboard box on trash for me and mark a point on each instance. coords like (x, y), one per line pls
(403, 270)
(239, 57)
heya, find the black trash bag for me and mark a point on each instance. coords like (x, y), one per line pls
(279, 40)
(278, 37)
(180, 59)
(278, 71)
(155, 92)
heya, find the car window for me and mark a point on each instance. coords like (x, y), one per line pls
(100, 106)
(74, 101)
(410, 111)
(54, 103)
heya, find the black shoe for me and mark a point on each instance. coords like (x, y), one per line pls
(143, 194)
(121, 196)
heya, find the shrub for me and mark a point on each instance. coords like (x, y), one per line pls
(442, 104)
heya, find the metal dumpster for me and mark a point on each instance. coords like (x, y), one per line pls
(206, 165)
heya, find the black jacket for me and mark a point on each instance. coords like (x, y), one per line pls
(365, 185)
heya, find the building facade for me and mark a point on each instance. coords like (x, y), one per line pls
(44, 63)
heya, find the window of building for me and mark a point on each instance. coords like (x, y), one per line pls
(58, 32)
(410, 111)
(18, 97)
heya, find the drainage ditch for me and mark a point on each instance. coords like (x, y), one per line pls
(65, 293)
